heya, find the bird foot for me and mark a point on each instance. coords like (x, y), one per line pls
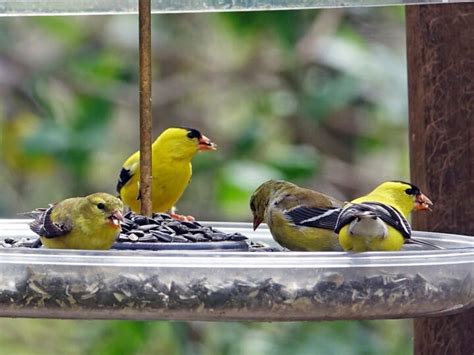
(182, 218)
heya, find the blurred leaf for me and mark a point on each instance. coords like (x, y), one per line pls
(75, 144)
(39, 93)
(397, 13)
(66, 29)
(237, 181)
(49, 139)
(248, 139)
(370, 143)
(294, 162)
(207, 161)
(287, 25)
(325, 97)
(347, 33)
(121, 338)
(15, 134)
(100, 68)
(91, 113)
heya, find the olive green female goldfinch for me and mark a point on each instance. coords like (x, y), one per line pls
(271, 203)
(377, 221)
(91, 222)
(172, 153)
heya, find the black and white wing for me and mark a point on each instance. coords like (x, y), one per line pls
(124, 177)
(385, 212)
(392, 217)
(313, 217)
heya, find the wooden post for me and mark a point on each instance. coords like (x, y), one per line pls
(144, 20)
(440, 47)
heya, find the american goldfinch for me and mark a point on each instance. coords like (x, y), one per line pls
(377, 221)
(172, 152)
(274, 200)
(91, 222)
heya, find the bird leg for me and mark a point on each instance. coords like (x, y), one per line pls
(182, 218)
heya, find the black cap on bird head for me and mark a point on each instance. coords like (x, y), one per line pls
(204, 143)
(422, 202)
(193, 133)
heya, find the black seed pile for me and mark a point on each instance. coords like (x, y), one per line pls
(162, 228)
(241, 297)
(148, 233)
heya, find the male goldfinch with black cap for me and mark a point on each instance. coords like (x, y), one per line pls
(172, 153)
(377, 221)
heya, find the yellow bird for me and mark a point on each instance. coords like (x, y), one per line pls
(91, 222)
(172, 153)
(281, 204)
(377, 221)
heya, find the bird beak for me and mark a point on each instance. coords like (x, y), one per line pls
(115, 218)
(205, 143)
(256, 222)
(423, 203)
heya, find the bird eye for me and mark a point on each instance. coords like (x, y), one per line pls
(409, 191)
(100, 206)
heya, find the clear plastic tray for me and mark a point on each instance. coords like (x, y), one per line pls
(203, 285)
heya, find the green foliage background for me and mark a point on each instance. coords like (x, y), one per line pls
(315, 97)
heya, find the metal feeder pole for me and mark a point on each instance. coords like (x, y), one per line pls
(144, 21)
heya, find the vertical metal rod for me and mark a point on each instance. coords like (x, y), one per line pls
(144, 20)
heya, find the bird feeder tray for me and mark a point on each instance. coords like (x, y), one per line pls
(228, 285)
(100, 7)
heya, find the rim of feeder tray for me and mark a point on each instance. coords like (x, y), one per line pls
(459, 249)
(196, 259)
